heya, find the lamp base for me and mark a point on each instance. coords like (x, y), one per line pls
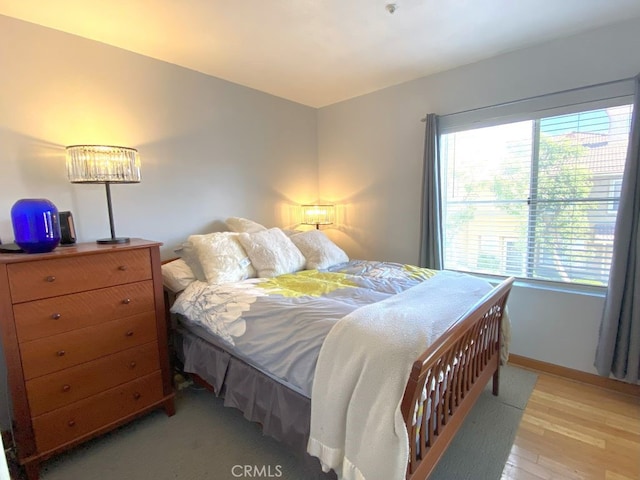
(113, 241)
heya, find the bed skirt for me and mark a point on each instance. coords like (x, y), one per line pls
(283, 413)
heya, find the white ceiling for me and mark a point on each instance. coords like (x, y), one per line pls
(318, 52)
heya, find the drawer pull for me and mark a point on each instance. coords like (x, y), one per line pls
(51, 278)
(61, 353)
(129, 333)
(132, 365)
(122, 268)
(71, 423)
(136, 395)
(56, 316)
(126, 301)
(66, 388)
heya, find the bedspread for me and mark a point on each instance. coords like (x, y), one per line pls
(278, 324)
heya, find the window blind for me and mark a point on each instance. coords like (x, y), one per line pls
(536, 198)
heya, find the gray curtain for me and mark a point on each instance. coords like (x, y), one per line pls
(431, 228)
(618, 349)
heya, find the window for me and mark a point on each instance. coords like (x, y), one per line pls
(535, 198)
(615, 186)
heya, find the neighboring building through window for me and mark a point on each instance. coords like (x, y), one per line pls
(536, 198)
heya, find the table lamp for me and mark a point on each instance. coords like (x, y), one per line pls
(104, 164)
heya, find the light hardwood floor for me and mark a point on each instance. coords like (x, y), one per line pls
(571, 430)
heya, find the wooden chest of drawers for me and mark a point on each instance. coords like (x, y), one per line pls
(85, 342)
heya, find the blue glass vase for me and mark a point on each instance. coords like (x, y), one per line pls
(36, 226)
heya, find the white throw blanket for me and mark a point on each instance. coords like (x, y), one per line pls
(363, 367)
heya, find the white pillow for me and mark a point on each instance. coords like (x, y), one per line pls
(272, 253)
(221, 257)
(190, 256)
(289, 232)
(318, 249)
(177, 275)
(238, 224)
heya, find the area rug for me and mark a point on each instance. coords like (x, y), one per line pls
(481, 447)
(206, 441)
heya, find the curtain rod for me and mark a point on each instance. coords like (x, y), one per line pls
(515, 102)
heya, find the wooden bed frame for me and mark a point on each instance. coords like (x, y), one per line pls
(457, 368)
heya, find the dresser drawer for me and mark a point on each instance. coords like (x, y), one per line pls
(64, 425)
(58, 389)
(60, 276)
(51, 354)
(51, 316)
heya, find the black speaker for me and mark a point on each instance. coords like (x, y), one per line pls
(67, 229)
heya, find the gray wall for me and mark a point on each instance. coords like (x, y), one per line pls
(210, 149)
(370, 160)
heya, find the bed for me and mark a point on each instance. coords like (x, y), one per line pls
(336, 357)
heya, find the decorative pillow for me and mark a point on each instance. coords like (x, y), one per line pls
(189, 255)
(177, 275)
(289, 232)
(243, 225)
(318, 249)
(272, 253)
(221, 257)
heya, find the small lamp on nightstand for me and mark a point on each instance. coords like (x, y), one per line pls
(318, 215)
(104, 164)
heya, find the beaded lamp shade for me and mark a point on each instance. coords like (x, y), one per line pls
(101, 164)
(318, 215)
